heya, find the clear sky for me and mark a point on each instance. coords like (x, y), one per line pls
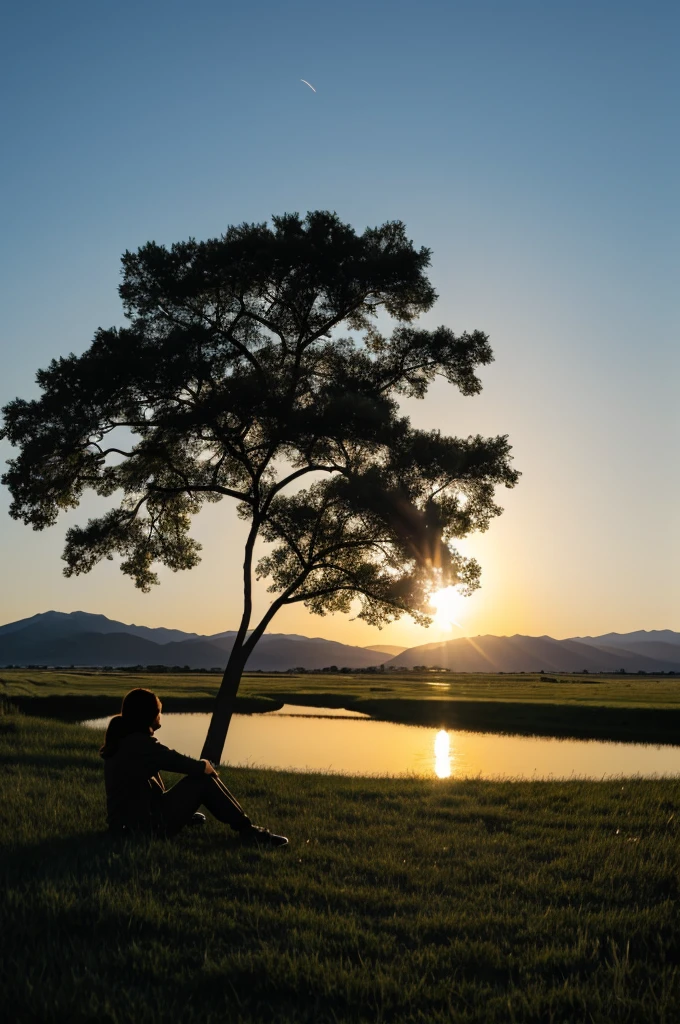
(533, 146)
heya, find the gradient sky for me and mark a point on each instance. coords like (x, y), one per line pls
(533, 146)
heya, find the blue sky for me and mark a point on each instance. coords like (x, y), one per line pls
(532, 146)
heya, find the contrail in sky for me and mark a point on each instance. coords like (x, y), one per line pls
(308, 83)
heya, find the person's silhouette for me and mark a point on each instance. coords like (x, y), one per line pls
(136, 797)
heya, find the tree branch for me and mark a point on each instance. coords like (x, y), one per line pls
(330, 324)
(270, 327)
(272, 610)
(312, 468)
(290, 542)
(247, 585)
(109, 451)
(308, 595)
(191, 488)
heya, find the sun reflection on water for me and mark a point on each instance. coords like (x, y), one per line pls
(366, 748)
(442, 755)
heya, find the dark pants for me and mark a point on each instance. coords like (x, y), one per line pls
(175, 806)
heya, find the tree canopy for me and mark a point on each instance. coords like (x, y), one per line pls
(253, 368)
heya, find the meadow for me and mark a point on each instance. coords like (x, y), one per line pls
(397, 900)
(624, 708)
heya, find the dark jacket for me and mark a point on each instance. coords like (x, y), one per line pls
(133, 783)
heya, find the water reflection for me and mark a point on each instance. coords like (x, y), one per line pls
(358, 746)
(442, 755)
(310, 711)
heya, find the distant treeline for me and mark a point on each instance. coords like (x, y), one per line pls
(332, 669)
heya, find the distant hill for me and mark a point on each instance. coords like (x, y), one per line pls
(278, 652)
(648, 649)
(83, 639)
(666, 636)
(531, 654)
(64, 624)
(79, 638)
(97, 649)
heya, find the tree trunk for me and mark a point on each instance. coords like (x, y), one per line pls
(224, 707)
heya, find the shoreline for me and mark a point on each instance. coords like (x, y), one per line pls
(658, 726)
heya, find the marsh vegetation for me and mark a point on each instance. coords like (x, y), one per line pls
(643, 709)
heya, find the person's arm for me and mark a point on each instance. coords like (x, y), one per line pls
(166, 759)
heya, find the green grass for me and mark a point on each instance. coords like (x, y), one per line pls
(397, 900)
(633, 709)
(595, 690)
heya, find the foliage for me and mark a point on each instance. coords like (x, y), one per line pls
(232, 379)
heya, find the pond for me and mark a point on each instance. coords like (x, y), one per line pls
(349, 743)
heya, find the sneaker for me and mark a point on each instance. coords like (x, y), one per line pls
(259, 836)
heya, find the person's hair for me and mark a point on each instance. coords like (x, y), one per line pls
(138, 712)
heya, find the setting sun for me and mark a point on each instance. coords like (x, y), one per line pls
(448, 604)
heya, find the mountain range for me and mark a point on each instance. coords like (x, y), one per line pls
(83, 639)
(79, 638)
(660, 652)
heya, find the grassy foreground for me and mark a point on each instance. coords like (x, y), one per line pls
(397, 900)
(629, 709)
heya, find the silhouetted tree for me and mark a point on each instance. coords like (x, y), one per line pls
(233, 380)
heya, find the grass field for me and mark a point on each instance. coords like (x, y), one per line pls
(397, 900)
(595, 690)
(643, 709)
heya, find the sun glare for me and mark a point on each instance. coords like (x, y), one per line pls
(448, 604)
(442, 755)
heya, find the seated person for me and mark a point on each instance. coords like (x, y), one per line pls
(136, 797)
